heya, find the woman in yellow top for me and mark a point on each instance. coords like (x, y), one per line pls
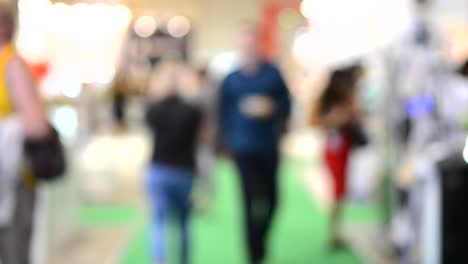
(18, 95)
(6, 105)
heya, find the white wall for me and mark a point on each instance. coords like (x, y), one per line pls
(449, 12)
(215, 21)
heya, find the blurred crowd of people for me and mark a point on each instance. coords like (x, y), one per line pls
(245, 118)
(192, 123)
(253, 107)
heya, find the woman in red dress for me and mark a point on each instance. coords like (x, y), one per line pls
(339, 113)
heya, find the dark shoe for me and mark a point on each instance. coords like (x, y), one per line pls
(257, 260)
(337, 245)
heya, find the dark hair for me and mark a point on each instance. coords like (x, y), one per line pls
(7, 20)
(463, 70)
(202, 72)
(340, 88)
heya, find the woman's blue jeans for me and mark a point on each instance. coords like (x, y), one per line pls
(169, 190)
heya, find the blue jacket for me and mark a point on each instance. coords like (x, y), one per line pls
(244, 134)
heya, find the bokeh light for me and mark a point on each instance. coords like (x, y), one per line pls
(145, 26)
(179, 26)
(82, 39)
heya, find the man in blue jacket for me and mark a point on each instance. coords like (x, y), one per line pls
(255, 106)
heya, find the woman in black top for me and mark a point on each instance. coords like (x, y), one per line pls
(175, 123)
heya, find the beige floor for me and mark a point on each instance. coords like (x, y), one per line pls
(103, 246)
(111, 171)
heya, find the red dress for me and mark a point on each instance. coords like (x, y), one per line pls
(337, 151)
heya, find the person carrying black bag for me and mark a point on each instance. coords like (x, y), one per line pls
(29, 148)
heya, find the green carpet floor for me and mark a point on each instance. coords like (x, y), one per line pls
(298, 235)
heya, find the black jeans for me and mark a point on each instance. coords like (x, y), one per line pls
(258, 174)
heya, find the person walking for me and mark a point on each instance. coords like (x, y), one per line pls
(175, 121)
(22, 117)
(339, 113)
(120, 102)
(254, 109)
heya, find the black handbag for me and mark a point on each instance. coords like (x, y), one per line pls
(359, 136)
(45, 157)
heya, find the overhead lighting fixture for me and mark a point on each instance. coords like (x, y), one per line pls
(145, 26)
(179, 26)
(305, 8)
